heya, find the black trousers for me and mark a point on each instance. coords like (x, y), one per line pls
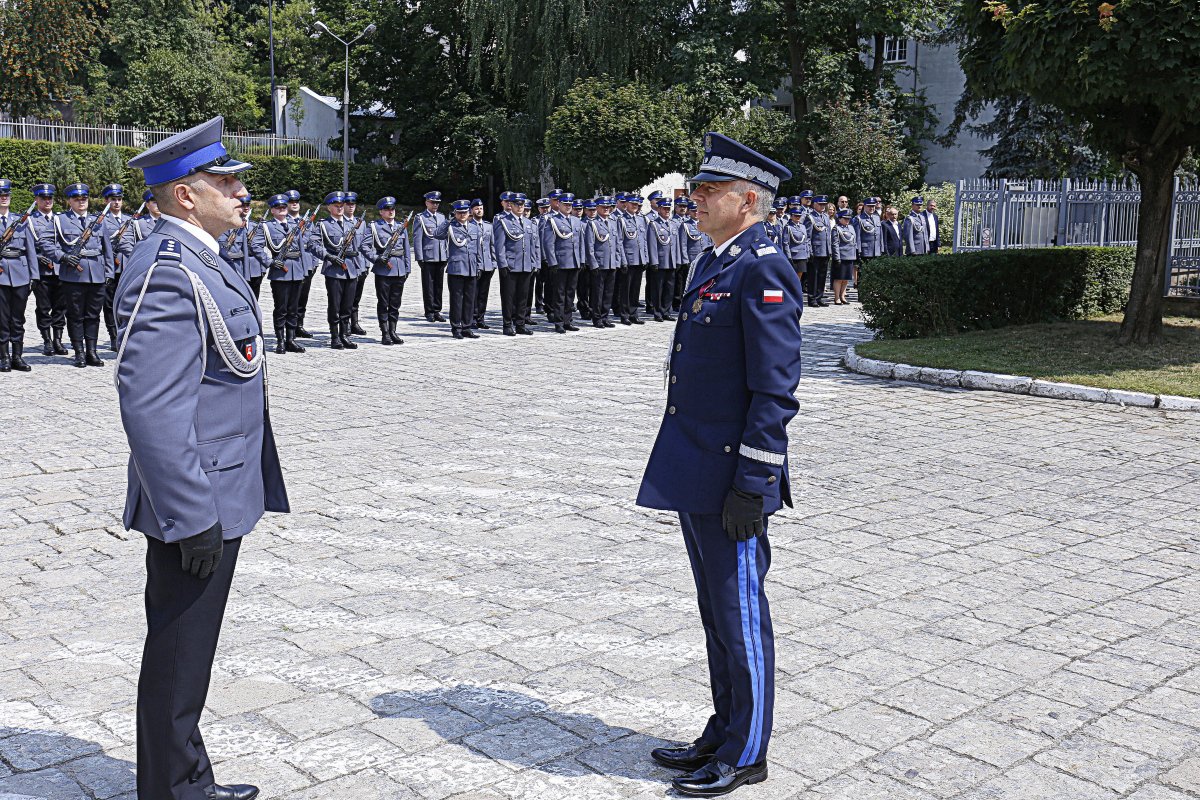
(286, 298)
(681, 273)
(539, 291)
(358, 292)
(389, 291)
(110, 292)
(628, 290)
(12, 312)
(432, 273)
(660, 291)
(256, 285)
(564, 294)
(462, 301)
(816, 277)
(583, 287)
(483, 287)
(85, 302)
(51, 304)
(514, 289)
(604, 281)
(549, 278)
(302, 298)
(528, 304)
(183, 620)
(341, 303)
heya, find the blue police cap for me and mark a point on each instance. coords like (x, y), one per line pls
(655, 195)
(622, 197)
(554, 194)
(681, 200)
(820, 199)
(506, 197)
(113, 190)
(522, 196)
(918, 201)
(293, 195)
(589, 203)
(528, 203)
(729, 160)
(277, 200)
(44, 190)
(78, 190)
(663, 202)
(566, 197)
(806, 193)
(843, 213)
(576, 204)
(543, 202)
(476, 202)
(781, 202)
(868, 201)
(637, 198)
(692, 205)
(333, 197)
(386, 202)
(197, 149)
(796, 209)
(352, 197)
(5, 186)
(434, 196)
(246, 200)
(461, 205)
(147, 196)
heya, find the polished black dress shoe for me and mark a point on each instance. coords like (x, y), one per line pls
(470, 334)
(717, 778)
(238, 791)
(688, 758)
(438, 317)
(569, 326)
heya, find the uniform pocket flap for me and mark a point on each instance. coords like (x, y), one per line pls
(242, 323)
(222, 453)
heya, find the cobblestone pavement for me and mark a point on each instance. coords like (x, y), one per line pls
(978, 595)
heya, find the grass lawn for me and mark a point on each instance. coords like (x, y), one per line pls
(1083, 352)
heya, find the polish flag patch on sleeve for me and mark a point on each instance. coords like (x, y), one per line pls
(772, 295)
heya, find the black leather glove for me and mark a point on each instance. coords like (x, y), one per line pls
(202, 552)
(277, 264)
(337, 262)
(742, 517)
(71, 261)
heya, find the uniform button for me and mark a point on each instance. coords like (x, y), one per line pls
(672, 379)
(678, 347)
(728, 449)
(707, 319)
(771, 479)
(685, 316)
(671, 410)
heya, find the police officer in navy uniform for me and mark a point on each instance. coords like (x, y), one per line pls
(464, 253)
(431, 255)
(391, 261)
(720, 459)
(50, 299)
(82, 268)
(236, 249)
(18, 272)
(913, 231)
(203, 466)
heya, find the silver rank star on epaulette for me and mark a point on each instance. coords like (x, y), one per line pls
(168, 250)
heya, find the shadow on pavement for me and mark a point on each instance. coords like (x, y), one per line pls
(48, 765)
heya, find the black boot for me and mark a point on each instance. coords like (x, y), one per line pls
(469, 334)
(289, 343)
(303, 334)
(92, 357)
(280, 341)
(355, 328)
(47, 346)
(112, 339)
(385, 335)
(80, 359)
(59, 350)
(335, 336)
(392, 330)
(4, 358)
(346, 341)
(18, 363)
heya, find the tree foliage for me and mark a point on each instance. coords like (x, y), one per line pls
(859, 152)
(42, 45)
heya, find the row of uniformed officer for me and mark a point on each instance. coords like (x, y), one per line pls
(18, 273)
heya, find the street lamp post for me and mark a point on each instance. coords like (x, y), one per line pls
(367, 31)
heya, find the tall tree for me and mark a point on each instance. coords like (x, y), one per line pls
(42, 45)
(1128, 72)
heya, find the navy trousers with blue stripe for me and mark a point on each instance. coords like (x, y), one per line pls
(737, 632)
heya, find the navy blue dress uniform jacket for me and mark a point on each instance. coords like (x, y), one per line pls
(201, 445)
(427, 246)
(399, 263)
(732, 377)
(18, 259)
(96, 253)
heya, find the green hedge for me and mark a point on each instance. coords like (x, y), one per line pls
(27, 163)
(911, 297)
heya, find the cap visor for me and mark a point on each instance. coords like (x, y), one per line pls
(230, 167)
(711, 177)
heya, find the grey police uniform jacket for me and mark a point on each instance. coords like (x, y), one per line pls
(327, 242)
(510, 241)
(42, 226)
(664, 248)
(633, 237)
(845, 242)
(119, 251)
(200, 440)
(820, 234)
(795, 242)
(559, 241)
(67, 228)
(533, 251)
(464, 242)
(426, 246)
(19, 258)
(695, 241)
(602, 243)
(357, 263)
(399, 263)
(914, 236)
(487, 249)
(267, 244)
(870, 238)
(235, 249)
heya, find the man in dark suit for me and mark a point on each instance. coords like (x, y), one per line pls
(893, 245)
(933, 224)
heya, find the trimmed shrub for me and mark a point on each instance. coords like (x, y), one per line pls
(27, 163)
(910, 297)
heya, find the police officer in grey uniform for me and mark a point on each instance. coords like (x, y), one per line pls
(462, 266)
(280, 246)
(82, 252)
(18, 272)
(50, 299)
(118, 228)
(560, 233)
(431, 253)
(390, 254)
(511, 243)
(333, 245)
(360, 267)
(236, 249)
(487, 264)
(203, 466)
(632, 228)
(146, 222)
(820, 232)
(604, 254)
(870, 237)
(913, 231)
(663, 242)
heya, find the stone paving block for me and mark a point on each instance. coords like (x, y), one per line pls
(1185, 776)
(990, 741)
(873, 725)
(932, 769)
(1031, 781)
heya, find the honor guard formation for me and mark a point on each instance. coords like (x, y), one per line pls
(579, 260)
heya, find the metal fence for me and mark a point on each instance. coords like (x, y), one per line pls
(141, 138)
(1003, 214)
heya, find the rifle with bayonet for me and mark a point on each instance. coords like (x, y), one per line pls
(278, 261)
(120, 234)
(340, 258)
(73, 256)
(8, 234)
(389, 248)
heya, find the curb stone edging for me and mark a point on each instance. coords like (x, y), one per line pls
(1013, 384)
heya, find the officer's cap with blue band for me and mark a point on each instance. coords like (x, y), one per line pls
(277, 200)
(352, 197)
(729, 160)
(197, 149)
(663, 202)
(806, 193)
(44, 190)
(589, 203)
(566, 197)
(386, 202)
(543, 202)
(820, 199)
(246, 200)
(868, 201)
(112, 190)
(293, 195)
(529, 203)
(78, 190)
(555, 194)
(844, 213)
(522, 197)
(333, 197)
(147, 196)
(507, 197)
(434, 196)
(5, 186)
(918, 201)
(576, 204)
(655, 195)
(461, 205)
(476, 202)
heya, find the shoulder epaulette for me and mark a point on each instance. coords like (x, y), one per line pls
(765, 250)
(168, 250)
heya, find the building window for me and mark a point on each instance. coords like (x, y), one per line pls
(895, 51)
